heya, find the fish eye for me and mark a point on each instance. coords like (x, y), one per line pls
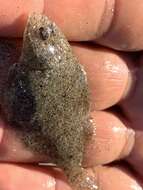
(46, 32)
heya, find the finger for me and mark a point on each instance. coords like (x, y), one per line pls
(112, 22)
(133, 108)
(117, 177)
(15, 177)
(125, 31)
(38, 178)
(110, 137)
(110, 74)
(79, 15)
(86, 19)
(108, 178)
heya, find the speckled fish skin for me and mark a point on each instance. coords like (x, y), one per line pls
(47, 99)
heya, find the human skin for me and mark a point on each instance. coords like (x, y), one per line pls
(115, 80)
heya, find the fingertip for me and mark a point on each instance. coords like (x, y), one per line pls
(117, 177)
(81, 20)
(110, 137)
(107, 73)
(125, 31)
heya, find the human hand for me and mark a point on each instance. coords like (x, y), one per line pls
(115, 80)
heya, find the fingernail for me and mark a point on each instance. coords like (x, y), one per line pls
(129, 143)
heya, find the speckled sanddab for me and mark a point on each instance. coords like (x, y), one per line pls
(47, 99)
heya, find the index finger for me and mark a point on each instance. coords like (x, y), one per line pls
(114, 23)
(74, 17)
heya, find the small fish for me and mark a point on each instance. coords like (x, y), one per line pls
(47, 99)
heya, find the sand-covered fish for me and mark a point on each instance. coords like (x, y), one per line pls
(47, 99)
